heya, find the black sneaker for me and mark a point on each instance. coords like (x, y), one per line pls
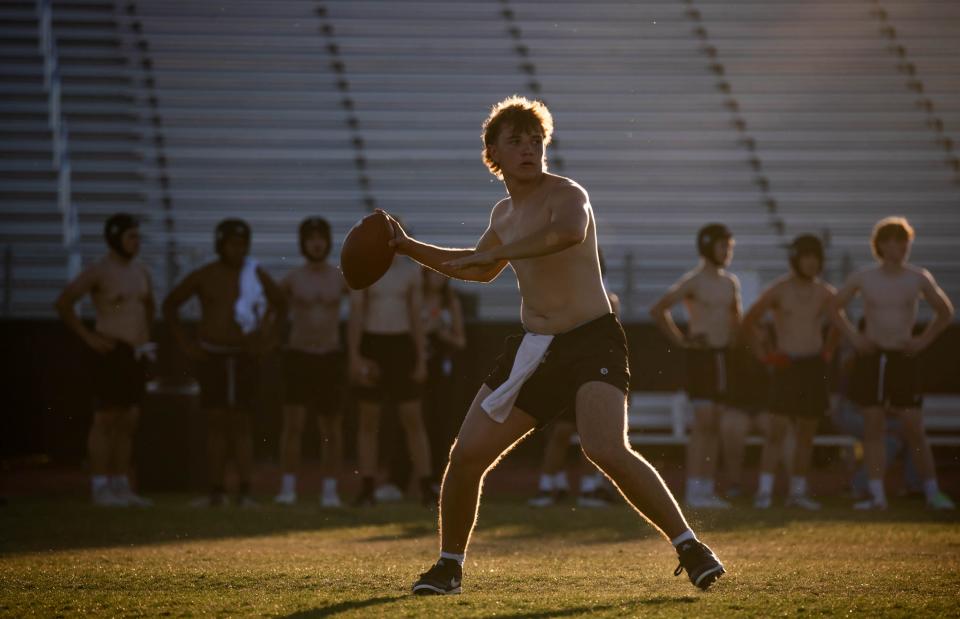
(441, 579)
(702, 566)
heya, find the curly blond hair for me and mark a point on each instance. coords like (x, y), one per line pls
(524, 116)
(890, 228)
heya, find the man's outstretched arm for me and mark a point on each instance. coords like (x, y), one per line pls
(439, 258)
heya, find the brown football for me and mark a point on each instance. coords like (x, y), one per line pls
(365, 254)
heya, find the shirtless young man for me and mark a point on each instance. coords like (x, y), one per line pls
(574, 354)
(122, 295)
(712, 298)
(799, 302)
(237, 298)
(885, 376)
(313, 362)
(387, 354)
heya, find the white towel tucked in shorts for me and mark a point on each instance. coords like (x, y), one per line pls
(532, 349)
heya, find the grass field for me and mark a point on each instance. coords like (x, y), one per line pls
(63, 558)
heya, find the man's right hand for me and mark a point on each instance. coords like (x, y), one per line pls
(400, 240)
(363, 371)
(100, 343)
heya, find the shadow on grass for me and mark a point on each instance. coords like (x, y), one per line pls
(626, 607)
(340, 607)
(52, 525)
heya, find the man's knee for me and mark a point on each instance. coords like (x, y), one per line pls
(468, 458)
(608, 455)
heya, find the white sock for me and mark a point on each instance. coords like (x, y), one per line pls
(560, 481)
(329, 485)
(686, 535)
(458, 558)
(877, 491)
(693, 487)
(120, 483)
(98, 482)
(588, 483)
(798, 486)
(546, 482)
(289, 483)
(931, 488)
(765, 483)
(709, 487)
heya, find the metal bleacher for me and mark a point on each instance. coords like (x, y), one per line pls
(99, 109)
(191, 111)
(838, 120)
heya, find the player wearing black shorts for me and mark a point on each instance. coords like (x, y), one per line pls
(122, 293)
(238, 303)
(388, 366)
(573, 351)
(799, 303)
(313, 366)
(885, 375)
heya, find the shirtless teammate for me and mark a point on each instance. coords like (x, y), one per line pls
(712, 298)
(122, 295)
(885, 376)
(574, 353)
(230, 337)
(799, 302)
(387, 353)
(313, 362)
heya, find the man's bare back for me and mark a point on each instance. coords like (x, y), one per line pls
(562, 290)
(314, 293)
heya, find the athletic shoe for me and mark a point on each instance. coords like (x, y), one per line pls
(708, 502)
(702, 566)
(940, 501)
(441, 579)
(388, 493)
(286, 498)
(870, 505)
(121, 489)
(593, 500)
(803, 502)
(763, 501)
(330, 500)
(543, 499)
(135, 500)
(104, 497)
(246, 501)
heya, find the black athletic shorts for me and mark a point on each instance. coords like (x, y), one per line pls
(800, 388)
(119, 377)
(886, 378)
(708, 374)
(313, 380)
(595, 351)
(229, 380)
(395, 356)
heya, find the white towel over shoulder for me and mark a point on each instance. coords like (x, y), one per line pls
(251, 303)
(532, 349)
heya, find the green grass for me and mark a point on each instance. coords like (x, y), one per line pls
(68, 558)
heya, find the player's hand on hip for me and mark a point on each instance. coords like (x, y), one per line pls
(100, 343)
(400, 239)
(914, 346)
(476, 259)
